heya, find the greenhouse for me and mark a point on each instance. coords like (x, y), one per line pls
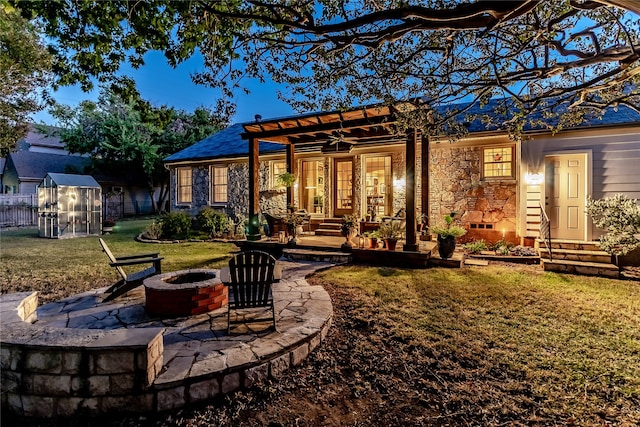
(69, 206)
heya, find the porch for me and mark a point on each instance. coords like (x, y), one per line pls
(312, 247)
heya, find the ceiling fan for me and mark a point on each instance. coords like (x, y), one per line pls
(338, 137)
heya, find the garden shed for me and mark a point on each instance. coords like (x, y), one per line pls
(69, 206)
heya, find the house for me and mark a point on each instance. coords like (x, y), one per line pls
(39, 154)
(354, 162)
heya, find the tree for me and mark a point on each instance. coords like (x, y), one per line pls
(568, 57)
(24, 66)
(129, 135)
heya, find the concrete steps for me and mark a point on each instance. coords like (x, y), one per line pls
(574, 257)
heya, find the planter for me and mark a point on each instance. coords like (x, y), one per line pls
(107, 230)
(373, 243)
(391, 244)
(446, 246)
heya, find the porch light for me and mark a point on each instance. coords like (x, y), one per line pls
(532, 178)
(399, 184)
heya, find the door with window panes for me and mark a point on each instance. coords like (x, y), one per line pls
(343, 186)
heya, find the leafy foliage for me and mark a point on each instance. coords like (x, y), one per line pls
(391, 229)
(214, 223)
(475, 247)
(619, 216)
(176, 225)
(448, 229)
(24, 70)
(561, 57)
(348, 224)
(126, 133)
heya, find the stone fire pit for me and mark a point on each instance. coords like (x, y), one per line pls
(184, 293)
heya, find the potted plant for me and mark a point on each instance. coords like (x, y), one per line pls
(348, 229)
(292, 221)
(287, 179)
(107, 225)
(373, 239)
(447, 235)
(390, 232)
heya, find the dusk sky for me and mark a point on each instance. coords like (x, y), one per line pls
(160, 84)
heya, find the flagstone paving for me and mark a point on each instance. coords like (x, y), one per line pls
(200, 360)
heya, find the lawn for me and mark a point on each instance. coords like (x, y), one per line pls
(63, 267)
(497, 345)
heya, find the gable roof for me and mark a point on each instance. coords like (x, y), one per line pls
(32, 165)
(223, 144)
(71, 180)
(228, 143)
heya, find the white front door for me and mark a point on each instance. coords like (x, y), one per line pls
(565, 195)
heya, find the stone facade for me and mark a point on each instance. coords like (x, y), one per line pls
(456, 186)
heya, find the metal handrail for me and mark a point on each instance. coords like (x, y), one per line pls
(545, 230)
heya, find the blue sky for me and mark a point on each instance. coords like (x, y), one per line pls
(160, 84)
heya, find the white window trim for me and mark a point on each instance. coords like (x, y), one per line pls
(511, 177)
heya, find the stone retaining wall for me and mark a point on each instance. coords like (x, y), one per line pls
(50, 372)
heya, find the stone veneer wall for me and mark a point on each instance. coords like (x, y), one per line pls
(455, 186)
(271, 200)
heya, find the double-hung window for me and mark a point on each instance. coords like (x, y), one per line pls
(498, 162)
(219, 184)
(184, 186)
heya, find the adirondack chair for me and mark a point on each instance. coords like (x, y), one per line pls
(251, 275)
(131, 280)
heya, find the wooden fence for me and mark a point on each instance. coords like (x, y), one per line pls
(18, 210)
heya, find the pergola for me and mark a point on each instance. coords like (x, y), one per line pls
(366, 125)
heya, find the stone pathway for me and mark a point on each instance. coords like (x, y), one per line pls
(200, 360)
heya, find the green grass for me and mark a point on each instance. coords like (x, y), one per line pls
(493, 345)
(62, 267)
(539, 346)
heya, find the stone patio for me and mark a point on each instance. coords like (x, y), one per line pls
(199, 360)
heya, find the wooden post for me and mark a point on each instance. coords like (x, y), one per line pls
(424, 176)
(291, 168)
(410, 177)
(254, 195)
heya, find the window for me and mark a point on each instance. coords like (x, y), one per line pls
(219, 181)
(498, 162)
(184, 185)
(277, 169)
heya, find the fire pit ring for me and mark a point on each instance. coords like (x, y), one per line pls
(184, 293)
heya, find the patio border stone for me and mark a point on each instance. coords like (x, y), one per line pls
(49, 370)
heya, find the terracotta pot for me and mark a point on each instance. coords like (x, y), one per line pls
(373, 243)
(446, 246)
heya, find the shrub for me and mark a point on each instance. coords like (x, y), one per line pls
(153, 231)
(475, 246)
(176, 225)
(214, 223)
(619, 216)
